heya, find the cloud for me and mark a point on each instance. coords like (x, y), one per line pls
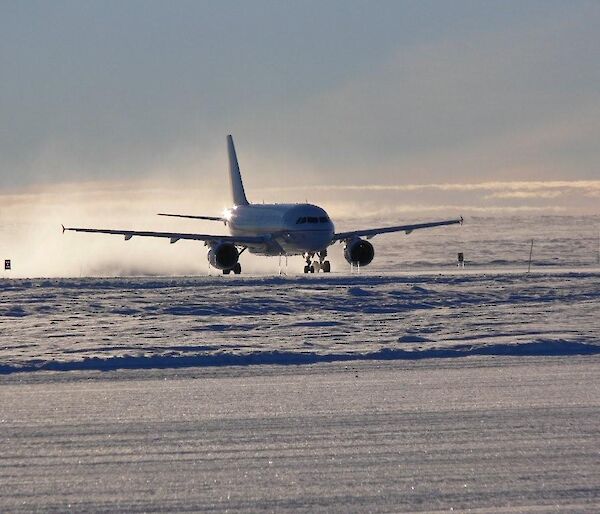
(585, 185)
(516, 103)
(523, 195)
(423, 92)
(575, 197)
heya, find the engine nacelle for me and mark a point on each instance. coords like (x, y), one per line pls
(223, 256)
(359, 252)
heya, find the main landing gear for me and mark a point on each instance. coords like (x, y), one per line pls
(315, 266)
(237, 269)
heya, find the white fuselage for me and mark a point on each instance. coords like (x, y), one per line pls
(294, 228)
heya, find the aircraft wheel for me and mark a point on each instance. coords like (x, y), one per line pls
(226, 271)
(311, 269)
(326, 267)
(237, 269)
(306, 269)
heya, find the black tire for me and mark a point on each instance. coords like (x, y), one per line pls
(311, 269)
(226, 271)
(306, 269)
(326, 268)
(237, 269)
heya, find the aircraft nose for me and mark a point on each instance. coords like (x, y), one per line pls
(322, 238)
(312, 240)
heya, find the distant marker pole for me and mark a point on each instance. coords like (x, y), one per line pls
(530, 256)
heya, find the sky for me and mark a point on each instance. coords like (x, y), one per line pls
(113, 110)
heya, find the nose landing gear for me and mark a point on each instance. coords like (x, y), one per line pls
(309, 268)
(316, 266)
(237, 269)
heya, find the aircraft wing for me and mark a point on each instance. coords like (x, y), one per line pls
(369, 233)
(174, 236)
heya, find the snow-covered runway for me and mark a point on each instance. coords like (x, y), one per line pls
(69, 324)
(496, 434)
(322, 393)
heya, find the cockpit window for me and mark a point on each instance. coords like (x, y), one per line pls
(312, 219)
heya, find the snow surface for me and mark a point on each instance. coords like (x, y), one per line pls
(76, 324)
(478, 434)
(227, 393)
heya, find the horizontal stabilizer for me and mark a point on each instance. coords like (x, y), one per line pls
(209, 218)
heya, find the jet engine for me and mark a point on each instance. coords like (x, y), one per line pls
(359, 252)
(223, 256)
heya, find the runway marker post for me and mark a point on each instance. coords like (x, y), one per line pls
(530, 256)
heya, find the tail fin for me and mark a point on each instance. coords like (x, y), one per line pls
(235, 178)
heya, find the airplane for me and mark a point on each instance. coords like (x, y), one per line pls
(274, 230)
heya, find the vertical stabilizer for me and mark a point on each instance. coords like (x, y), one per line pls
(235, 178)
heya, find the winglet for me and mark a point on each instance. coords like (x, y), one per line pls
(235, 177)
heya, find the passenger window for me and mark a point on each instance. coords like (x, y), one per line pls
(323, 219)
(301, 220)
(312, 220)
